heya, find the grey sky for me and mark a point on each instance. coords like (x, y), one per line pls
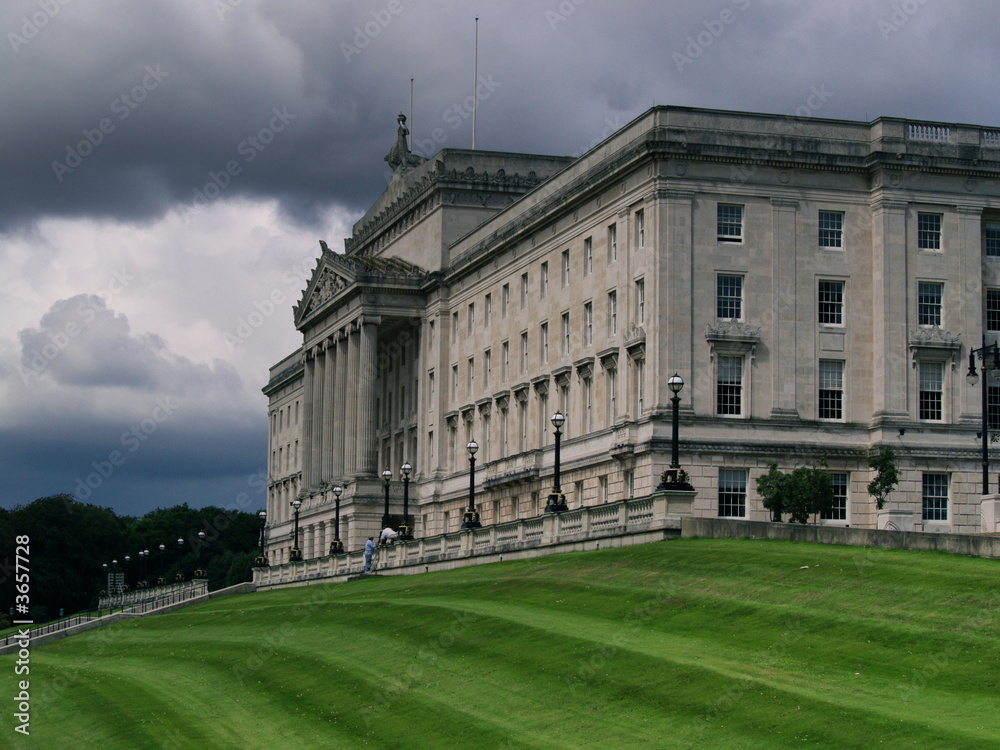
(167, 167)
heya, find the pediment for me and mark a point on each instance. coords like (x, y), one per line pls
(331, 277)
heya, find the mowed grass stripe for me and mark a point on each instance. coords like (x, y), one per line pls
(692, 643)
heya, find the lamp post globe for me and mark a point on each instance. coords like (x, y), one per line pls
(386, 478)
(675, 478)
(180, 558)
(128, 559)
(163, 569)
(295, 554)
(405, 532)
(337, 546)
(471, 519)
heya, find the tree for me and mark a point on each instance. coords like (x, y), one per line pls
(772, 488)
(886, 476)
(803, 492)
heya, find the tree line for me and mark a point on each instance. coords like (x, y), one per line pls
(70, 543)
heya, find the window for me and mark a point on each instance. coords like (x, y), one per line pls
(640, 228)
(831, 303)
(505, 361)
(544, 344)
(524, 352)
(522, 423)
(729, 297)
(565, 268)
(588, 256)
(612, 243)
(733, 493)
(487, 367)
(640, 372)
(454, 327)
(543, 417)
(929, 231)
(935, 497)
(831, 229)
(588, 402)
(472, 317)
(931, 390)
(430, 389)
(505, 300)
(454, 382)
(612, 383)
(993, 406)
(487, 309)
(430, 334)
(543, 284)
(565, 333)
(588, 322)
(730, 223)
(612, 313)
(640, 302)
(729, 387)
(991, 238)
(838, 512)
(831, 389)
(628, 478)
(504, 421)
(993, 309)
(929, 296)
(524, 290)
(602, 488)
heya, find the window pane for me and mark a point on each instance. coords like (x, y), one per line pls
(831, 390)
(929, 231)
(993, 309)
(929, 304)
(935, 497)
(733, 492)
(730, 223)
(831, 302)
(992, 238)
(729, 389)
(839, 510)
(931, 381)
(831, 229)
(729, 297)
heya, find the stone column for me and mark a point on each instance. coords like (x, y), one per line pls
(367, 364)
(971, 300)
(307, 418)
(339, 415)
(783, 289)
(670, 308)
(351, 401)
(329, 384)
(316, 463)
(890, 281)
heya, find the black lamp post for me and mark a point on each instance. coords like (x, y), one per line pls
(180, 557)
(117, 586)
(471, 520)
(128, 559)
(201, 572)
(972, 378)
(163, 568)
(675, 477)
(107, 583)
(261, 560)
(386, 477)
(295, 555)
(337, 546)
(557, 501)
(405, 532)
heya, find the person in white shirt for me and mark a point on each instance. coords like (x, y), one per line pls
(387, 535)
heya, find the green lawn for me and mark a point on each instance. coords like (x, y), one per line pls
(707, 644)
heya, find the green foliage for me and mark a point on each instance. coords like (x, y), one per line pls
(886, 476)
(802, 493)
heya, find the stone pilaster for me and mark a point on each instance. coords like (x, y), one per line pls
(890, 277)
(307, 418)
(783, 343)
(339, 415)
(319, 357)
(351, 400)
(329, 386)
(367, 354)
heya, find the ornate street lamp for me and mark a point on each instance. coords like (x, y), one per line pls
(675, 478)
(201, 572)
(471, 519)
(295, 554)
(557, 501)
(180, 557)
(128, 559)
(972, 378)
(163, 568)
(117, 586)
(386, 477)
(337, 546)
(261, 561)
(405, 532)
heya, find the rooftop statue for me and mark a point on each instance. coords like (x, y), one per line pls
(399, 157)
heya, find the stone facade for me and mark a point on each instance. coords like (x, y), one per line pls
(817, 284)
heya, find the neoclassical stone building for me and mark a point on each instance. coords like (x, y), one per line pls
(816, 283)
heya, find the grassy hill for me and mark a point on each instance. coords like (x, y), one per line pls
(682, 644)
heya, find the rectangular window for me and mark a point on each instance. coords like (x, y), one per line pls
(565, 268)
(993, 309)
(430, 334)
(454, 383)
(588, 256)
(729, 387)
(504, 422)
(612, 243)
(588, 402)
(505, 361)
(732, 493)
(602, 488)
(472, 376)
(640, 372)
(831, 229)
(524, 352)
(831, 389)
(729, 297)
(640, 228)
(522, 420)
(543, 417)
(544, 344)
(612, 396)
(993, 406)
(929, 231)
(524, 290)
(931, 390)
(730, 223)
(588, 322)
(831, 303)
(565, 333)
(640, 302)
(505, 300)
(612, 313)
(839, 510)
(929, 295)
(543, 284)
(935, 497)
(430, 389)
(472, 317)
(487, 367)
(454, 327)
(991, 238)
(487, 309)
